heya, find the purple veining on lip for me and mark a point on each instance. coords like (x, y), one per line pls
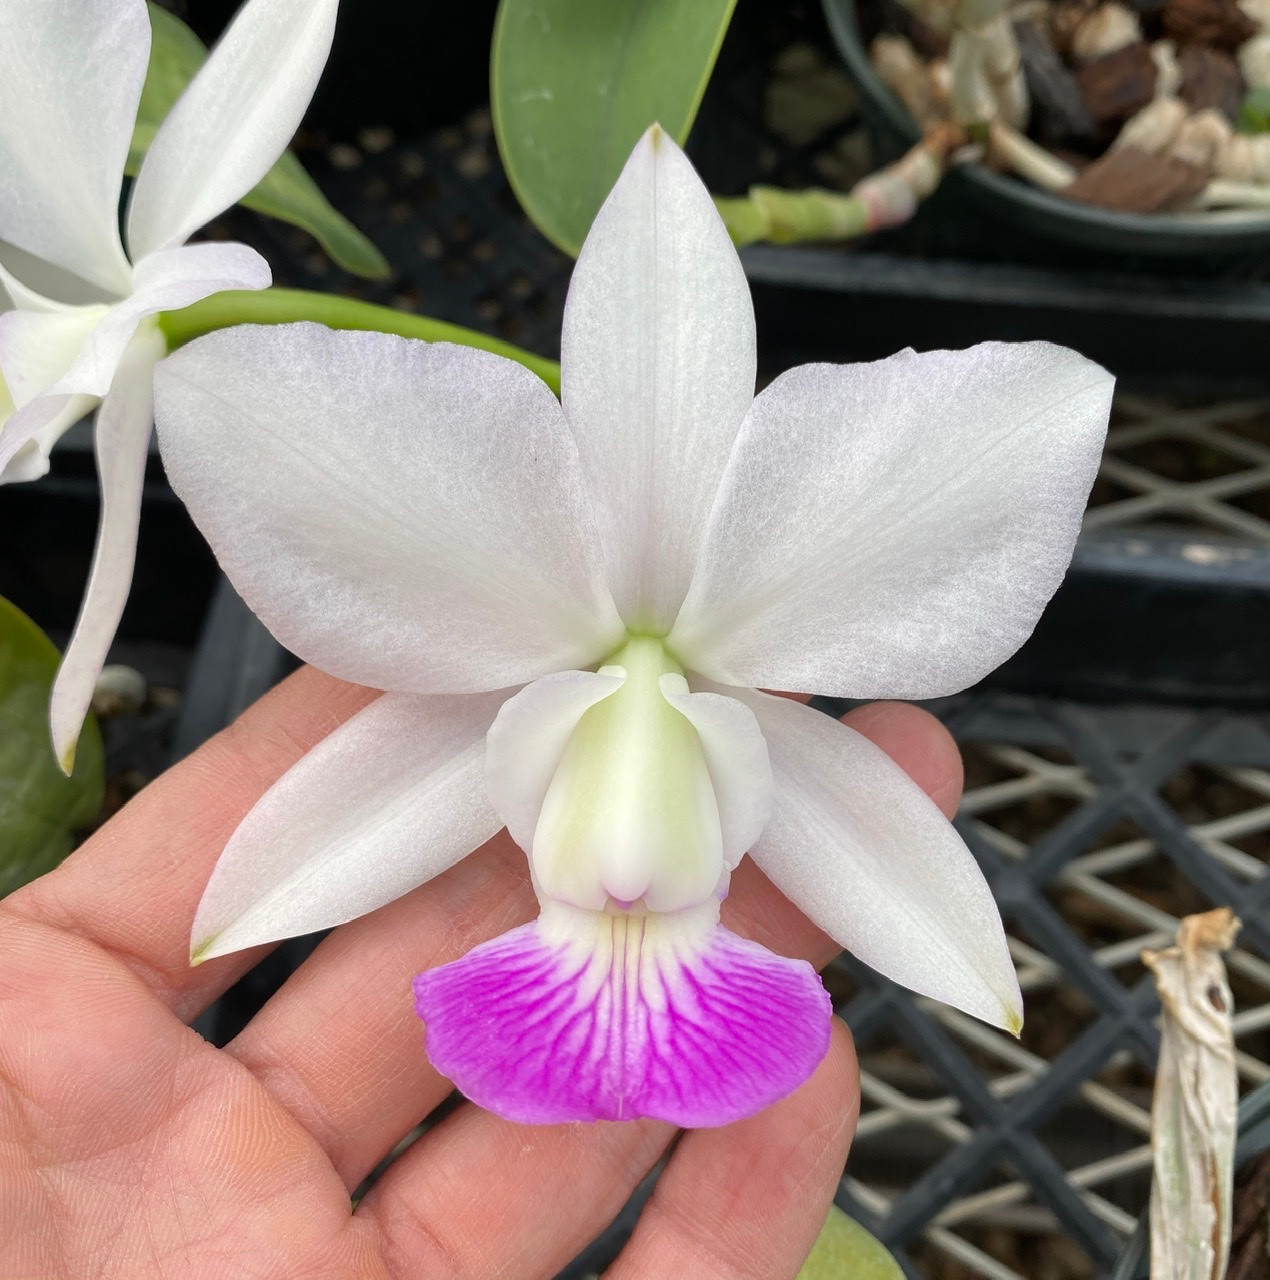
(655, 1017)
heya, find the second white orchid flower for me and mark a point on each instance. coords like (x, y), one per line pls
(571, 604)
(79, 314)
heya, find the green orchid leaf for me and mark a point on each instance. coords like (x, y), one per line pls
(573, 85)
(286, 192)
(40, 808)
(844, 1250)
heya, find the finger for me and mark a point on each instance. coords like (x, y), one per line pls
(365, 1083)
(546, 1192)
(133, 887)
(131, 1146)
(919, 742)
(749, 1199)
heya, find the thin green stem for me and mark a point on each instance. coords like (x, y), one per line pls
(792, 217)
(285, 306)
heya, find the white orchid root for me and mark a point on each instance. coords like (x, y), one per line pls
(987, 72)
(980, 88)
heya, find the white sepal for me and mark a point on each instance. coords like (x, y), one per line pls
(657, 372)
(861, 849)
(233, 121)
(121, 439)
(409, 775)
(71, 73)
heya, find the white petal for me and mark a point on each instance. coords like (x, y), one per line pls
(29, 460)
(71, 73)
(232, 122)
(403, 515)
(895, 529)
(736, 756)
(77, 350)
(164, 281)
(47, 391)
(408, 774)
(527, 739)
(120, 439)
(861, 850)
(37, 348)
(657, 372)
(36, 285)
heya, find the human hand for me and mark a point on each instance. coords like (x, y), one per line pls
(131, 1148)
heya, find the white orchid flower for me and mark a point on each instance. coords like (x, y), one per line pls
(79, 324)
(570, 605)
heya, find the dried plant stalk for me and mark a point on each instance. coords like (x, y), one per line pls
(1193, 1113)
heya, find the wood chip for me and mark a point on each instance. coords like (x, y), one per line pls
(1220, 24)
(1118, 85)
(1059, 113)
(1211, 79)
(1133, 181)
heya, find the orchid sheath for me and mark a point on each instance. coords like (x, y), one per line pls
(79, 324)
(571, 607)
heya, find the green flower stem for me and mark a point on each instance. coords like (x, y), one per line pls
(788, 217)
(886, 198)
(285, 306)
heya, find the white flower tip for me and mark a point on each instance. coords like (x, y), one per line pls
(210, 939)
(200, 952)
(211, 944)
(66, 758)
(1001, 1004)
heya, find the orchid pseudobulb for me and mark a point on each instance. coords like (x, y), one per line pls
(77, 314)
(570, 606)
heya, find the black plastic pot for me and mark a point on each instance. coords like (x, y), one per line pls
(1042, 213)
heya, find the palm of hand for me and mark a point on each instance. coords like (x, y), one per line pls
(131, 1148)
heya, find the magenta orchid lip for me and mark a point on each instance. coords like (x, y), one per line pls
(572, 606)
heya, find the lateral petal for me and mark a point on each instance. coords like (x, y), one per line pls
(409, 774)
(915, 516)
(401, 514)
(862, 851)
(233, 121)
(657, 372)
(71, 73)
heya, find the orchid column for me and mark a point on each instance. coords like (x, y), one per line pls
(79, 326)
(572, 607)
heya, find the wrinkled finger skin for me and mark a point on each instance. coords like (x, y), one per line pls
(131, 1149)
